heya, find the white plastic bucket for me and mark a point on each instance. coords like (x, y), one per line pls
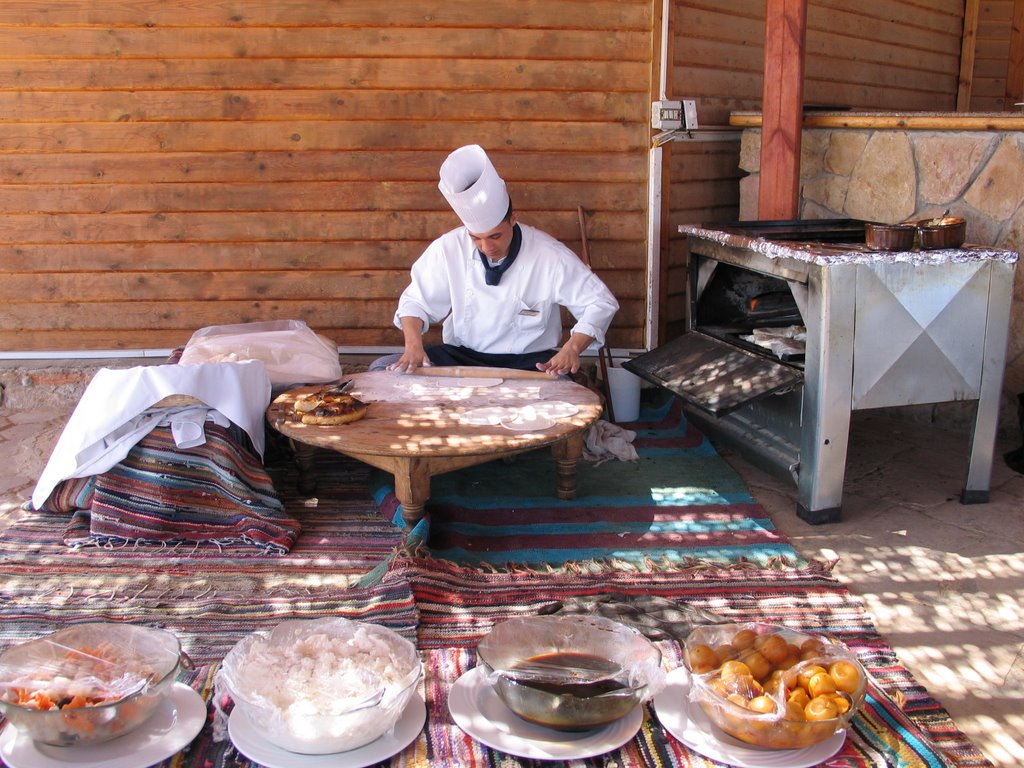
(625, 391)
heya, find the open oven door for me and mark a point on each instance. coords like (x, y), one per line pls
(713, 375)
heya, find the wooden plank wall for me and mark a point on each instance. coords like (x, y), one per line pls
(991, 57)
(168, 164)
(892, 55)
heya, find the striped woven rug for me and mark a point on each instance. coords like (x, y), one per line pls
(900, 724)
(211, 600)
(211, 597)
(679, 505)
(343, 538)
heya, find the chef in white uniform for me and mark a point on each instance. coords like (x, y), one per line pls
(497, 285)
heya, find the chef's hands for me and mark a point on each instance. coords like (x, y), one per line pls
(409, 362)
(567, 359)
(414, 355)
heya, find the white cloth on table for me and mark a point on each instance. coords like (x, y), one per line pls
(117, 410)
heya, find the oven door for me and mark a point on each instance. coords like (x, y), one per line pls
(713, 375)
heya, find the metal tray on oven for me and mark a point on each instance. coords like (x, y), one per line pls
(711, 374)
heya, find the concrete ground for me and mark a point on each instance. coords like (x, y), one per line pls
(943, 582)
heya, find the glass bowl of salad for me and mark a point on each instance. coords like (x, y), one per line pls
(88, 683)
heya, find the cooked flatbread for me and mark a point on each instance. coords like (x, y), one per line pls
(329, 407)
(333, 414)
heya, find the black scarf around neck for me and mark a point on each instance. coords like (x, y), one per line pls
(493, 274)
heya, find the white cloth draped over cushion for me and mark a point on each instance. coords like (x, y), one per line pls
(121, 406)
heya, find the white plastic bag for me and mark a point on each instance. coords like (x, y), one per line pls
(289, 349)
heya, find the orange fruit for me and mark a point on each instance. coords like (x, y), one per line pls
(733, 668)
(846, 676)
(842, 703)
(773, 647)
(725, 651)
(800, 697)
(757, 664)
(821, 684)
(744, 639)
(805, 674)
(821, 708)
(762, 705)
(701, 658)
(811, 644)
(744, 685)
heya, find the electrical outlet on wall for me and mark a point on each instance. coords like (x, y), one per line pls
(666, 115)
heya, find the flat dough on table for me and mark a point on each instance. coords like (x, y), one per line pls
(490, 415)
(526, 421)
(553, 409)
(478, 383)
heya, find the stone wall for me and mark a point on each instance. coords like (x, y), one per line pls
(892, 175)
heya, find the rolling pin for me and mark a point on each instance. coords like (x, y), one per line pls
(480, 372)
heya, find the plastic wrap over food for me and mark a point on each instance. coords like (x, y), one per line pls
(583, 649)
(87, 683)
(87, 666)
(324, 685)
(773, 686)
(289, 349)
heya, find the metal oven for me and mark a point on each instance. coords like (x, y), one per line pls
(791, 326)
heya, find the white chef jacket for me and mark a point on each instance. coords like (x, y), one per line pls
(519, 315)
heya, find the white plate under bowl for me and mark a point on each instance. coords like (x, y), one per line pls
(688, 723)
(172, 727)
(250, 742)
(478, 711)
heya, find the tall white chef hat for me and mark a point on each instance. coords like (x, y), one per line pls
(474, 189)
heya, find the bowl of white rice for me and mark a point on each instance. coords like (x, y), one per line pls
(323, 685)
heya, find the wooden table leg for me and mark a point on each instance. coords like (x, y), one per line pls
(304, 460)
(412, 487)
(567, 454)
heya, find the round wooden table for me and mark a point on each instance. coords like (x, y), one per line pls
(417, 426)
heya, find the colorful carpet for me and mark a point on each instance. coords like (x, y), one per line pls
(349, 560)
(211, 596)
(216, 493)
(343, 538)
(900, 725)
(679, 505)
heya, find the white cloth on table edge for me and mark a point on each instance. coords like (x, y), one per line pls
(116, 411)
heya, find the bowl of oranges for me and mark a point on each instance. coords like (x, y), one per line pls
(772, 686)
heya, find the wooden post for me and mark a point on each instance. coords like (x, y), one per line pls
(1014, 91)
(967, 51)
(782, 108)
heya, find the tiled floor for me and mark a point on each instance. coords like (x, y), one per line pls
(944, 582)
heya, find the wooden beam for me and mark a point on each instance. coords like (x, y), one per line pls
(968, 46)
(1015, 61)
(782, 107)
(896, 122)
